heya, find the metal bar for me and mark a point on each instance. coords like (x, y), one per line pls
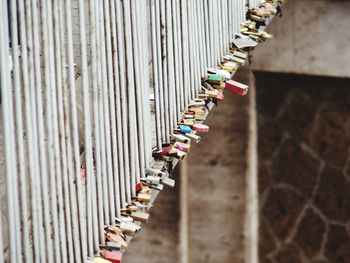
(97, 219)
(124, 166)
(20, 132)
(118, 164)
(34, 80)
(62, 187)
(113, 159)
(156, 84)
(9, 130)
(85, 225)
(139, 126)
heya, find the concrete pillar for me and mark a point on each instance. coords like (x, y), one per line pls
(310, 38)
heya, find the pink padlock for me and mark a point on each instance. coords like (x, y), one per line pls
(236, 87)
(82, 172)
(200, 128)
(182, 146)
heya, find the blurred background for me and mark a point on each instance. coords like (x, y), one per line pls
(298, 110)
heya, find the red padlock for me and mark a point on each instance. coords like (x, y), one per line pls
(236, 87)
(139, 187)
(114, 257)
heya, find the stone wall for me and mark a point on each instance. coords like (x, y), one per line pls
(304, 168)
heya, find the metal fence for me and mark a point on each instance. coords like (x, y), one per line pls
(88, 88)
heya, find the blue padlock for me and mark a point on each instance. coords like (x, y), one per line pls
(185, 129)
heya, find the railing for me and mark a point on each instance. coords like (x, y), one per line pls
(88, 88)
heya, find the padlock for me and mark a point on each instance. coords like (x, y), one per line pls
(114, 257)
(117, 239)
(188, 122)
(112, 246)
(196, 102)
(200, 128)
(244, 29)
(101, 260)
(151, 171)
(228, 69)
(183, 146)
(126, 219)
(185, 129)
(180, 138)
(243, 42)
(140, 216)
(130, 208)
(256, 18)
(215, 79)
(197, 111)
(129, 228)
(158, 165)
(116, 230)
(178, 154)
(139, 187)
(236, 87)
(200, 118)
(193, 137)
(146, 190)
(168, 182)
(143, 197)
(231, 64)
(181, 154)
(143, 206)
(240, 54)
(151, 179)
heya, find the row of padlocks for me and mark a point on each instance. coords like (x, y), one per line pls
(99, 101)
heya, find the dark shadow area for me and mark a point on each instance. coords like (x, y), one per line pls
(304, 168)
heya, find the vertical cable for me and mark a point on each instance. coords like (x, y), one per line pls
(114, 166)
(155, 75)
(85, 226)
(97, 219)
(20, 141)
(9, 130)
(33, 79)
(124, 166)
(139, 126)
(103, 109)
(119, 165)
